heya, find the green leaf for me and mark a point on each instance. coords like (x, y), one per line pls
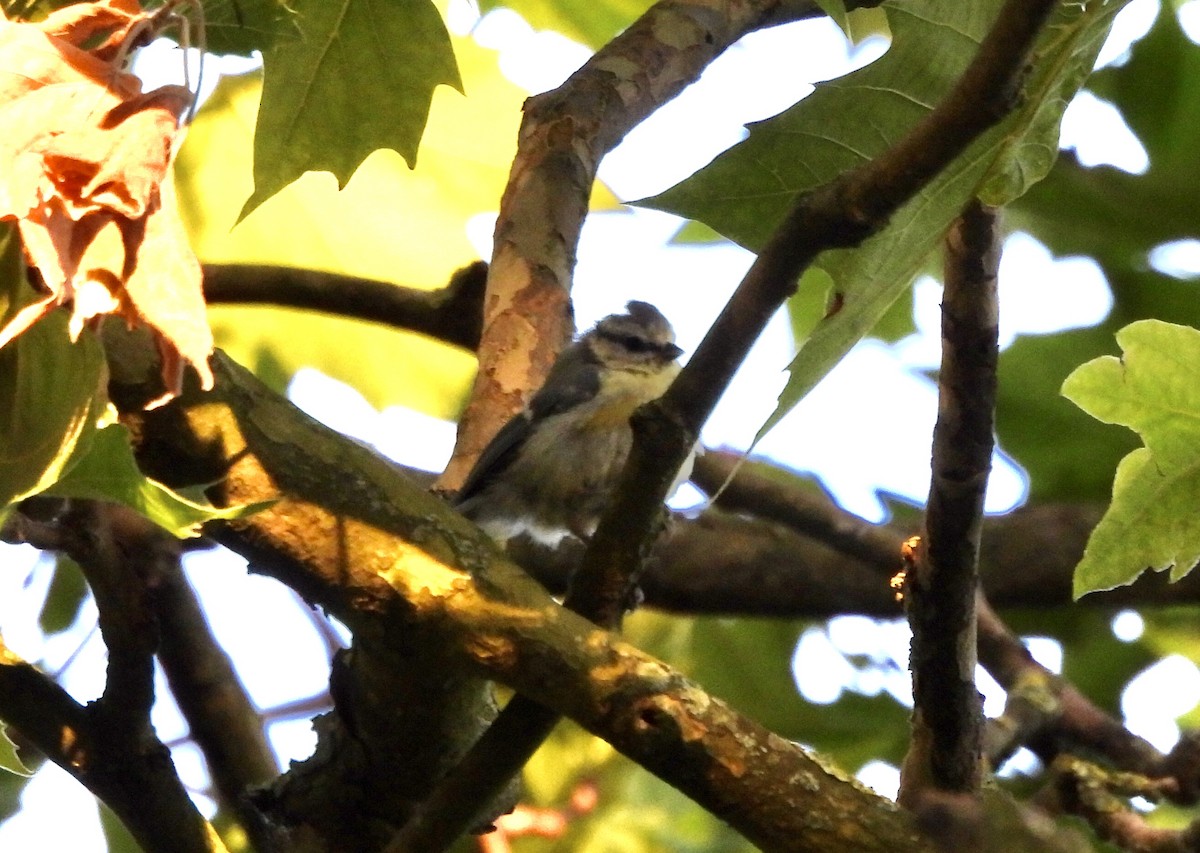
(589, 22)
(1080, 210)
(693, 233)
(745, 192)
(65, 597)
(117, 839)
(244, 26)
(1068, 455)
(359, 78)
(9, 760)
(1153, 389)
(51, 390)
(108, 472)
(389, 223)
(836, 9)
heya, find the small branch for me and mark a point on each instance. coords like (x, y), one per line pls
(44, 713)
(465, 798)
(748, 488)
(1046, 712)
(1098, 795)
(220, 715)
(453, 313)
(941, 589)
(109, 746)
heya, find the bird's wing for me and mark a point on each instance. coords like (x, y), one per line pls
(574, 380)
(496, 456)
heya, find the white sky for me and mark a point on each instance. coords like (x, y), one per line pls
(845, 432)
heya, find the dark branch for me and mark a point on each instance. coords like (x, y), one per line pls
(453, 313)
(109, 746)
(941, 588)
(425, 593)
(221, 718)
(1100, 797)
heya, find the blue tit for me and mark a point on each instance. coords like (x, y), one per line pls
(550, 470)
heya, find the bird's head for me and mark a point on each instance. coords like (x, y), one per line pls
(639, 341)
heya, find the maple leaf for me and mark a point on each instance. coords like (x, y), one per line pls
(84, 170)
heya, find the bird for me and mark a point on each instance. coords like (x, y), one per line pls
(550, 470)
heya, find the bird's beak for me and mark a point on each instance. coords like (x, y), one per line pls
(672, 352)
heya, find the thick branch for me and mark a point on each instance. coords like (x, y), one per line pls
(392, 563)
(453, 313)
(940, 590)
(331, 548)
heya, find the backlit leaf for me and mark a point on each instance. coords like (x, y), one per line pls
(51, 390)
(359, 78)
(83, 159)
(845, 122)
(9, 760)
(592, 23)
(389, 223)
(108, 472)
(1154, 388)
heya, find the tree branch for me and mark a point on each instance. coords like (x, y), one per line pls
(1043, 711)
(564, 135)
(220, 715)
(453, 313)
(941, 588)
(1098, 795)
(425, 593)
(841, 213)
(109, 746)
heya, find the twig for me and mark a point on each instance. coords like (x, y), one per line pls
(940, 591)
(1097, 795)
(1047, 713)
(740, 487)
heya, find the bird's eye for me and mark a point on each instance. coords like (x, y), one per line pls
(635, 344)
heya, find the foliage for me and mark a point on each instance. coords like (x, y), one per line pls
(1150, 389)
(747, 189)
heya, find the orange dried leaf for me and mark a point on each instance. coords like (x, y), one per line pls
(84, 23)
(83, 162)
